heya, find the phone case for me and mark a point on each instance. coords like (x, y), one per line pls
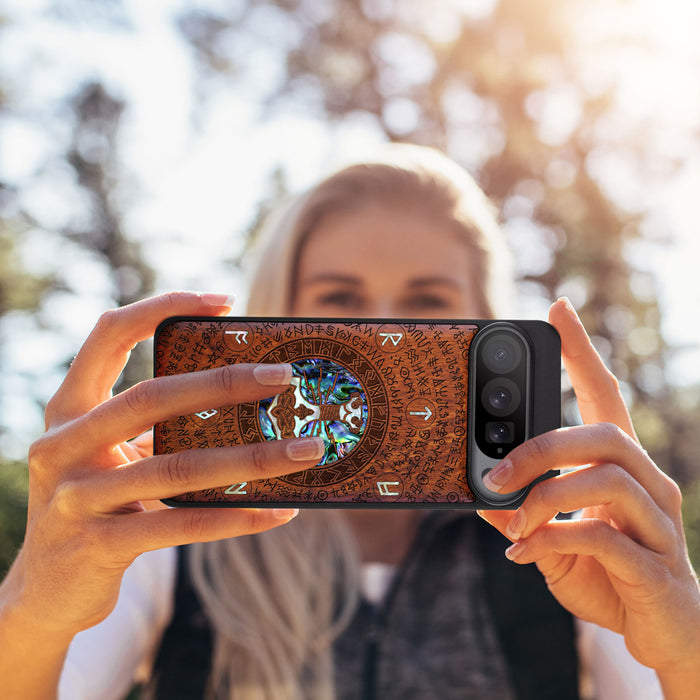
(392, 400)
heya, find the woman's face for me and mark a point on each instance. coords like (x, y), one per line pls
(385, 261)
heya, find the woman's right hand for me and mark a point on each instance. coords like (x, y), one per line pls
(87, 514)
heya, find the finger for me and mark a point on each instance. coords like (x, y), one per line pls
(156, 529)
(154, 400)
(596, 388)
(166, 476)
(138, 448)
(614, 550)
(579, 445)
(497, 518)
(143, 444)
(605, 486)
(102, 357)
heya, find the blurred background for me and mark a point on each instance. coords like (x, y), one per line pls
(140, 143)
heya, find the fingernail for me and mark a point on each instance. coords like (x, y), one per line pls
(569, 306)
(499, 476)
(515, 550)
(517, 525)
(285, 514)
(305, 449)
(273, 375)
(218, 300)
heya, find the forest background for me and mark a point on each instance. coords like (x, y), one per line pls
(140, 143)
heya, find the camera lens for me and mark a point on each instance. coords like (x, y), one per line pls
(502, 353)
(499, 432)
(500, 396)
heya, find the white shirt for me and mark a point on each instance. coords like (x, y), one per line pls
(105, 661)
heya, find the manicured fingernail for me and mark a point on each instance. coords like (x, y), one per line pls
(273, 375)
(305, 449)
(218, 300)
(569, 306)
(515, 550)
(517, 525)
(285, 514)
(498, 477)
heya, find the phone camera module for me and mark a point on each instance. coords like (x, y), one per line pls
(500, 396)
(502, 353)
(500, 390)
(500, 432)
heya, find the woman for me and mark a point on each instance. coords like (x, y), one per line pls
(410, 236)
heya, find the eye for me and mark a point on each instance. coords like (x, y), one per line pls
(345, 299)
(427, 302)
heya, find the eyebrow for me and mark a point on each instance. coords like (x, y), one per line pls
(433, 281)
(332, 277)
(355, 281)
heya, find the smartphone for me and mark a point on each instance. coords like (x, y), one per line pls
(413, 413)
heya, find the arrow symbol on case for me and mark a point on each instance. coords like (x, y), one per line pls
(385, 488)
(427, 413)
(241, 336)
(395, 338)
(204, 415)
(237, 489)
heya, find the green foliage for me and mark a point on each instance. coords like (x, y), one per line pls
(691, 520)
(94, 157)
(18, 289)
(14, 484)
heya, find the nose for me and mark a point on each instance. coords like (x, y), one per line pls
(382, 308)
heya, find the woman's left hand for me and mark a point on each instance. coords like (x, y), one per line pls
(623, 564)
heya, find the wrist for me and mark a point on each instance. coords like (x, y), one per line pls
(26, 631)
(33, 653)
(682, 681)
(20, 620)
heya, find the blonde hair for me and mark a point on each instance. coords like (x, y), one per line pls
(405, 175)
(277, 600)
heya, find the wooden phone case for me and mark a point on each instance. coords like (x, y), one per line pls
(390, 398)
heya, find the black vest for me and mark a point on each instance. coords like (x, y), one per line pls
(534, 635)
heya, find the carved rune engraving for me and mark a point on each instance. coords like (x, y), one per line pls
(389, 401)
